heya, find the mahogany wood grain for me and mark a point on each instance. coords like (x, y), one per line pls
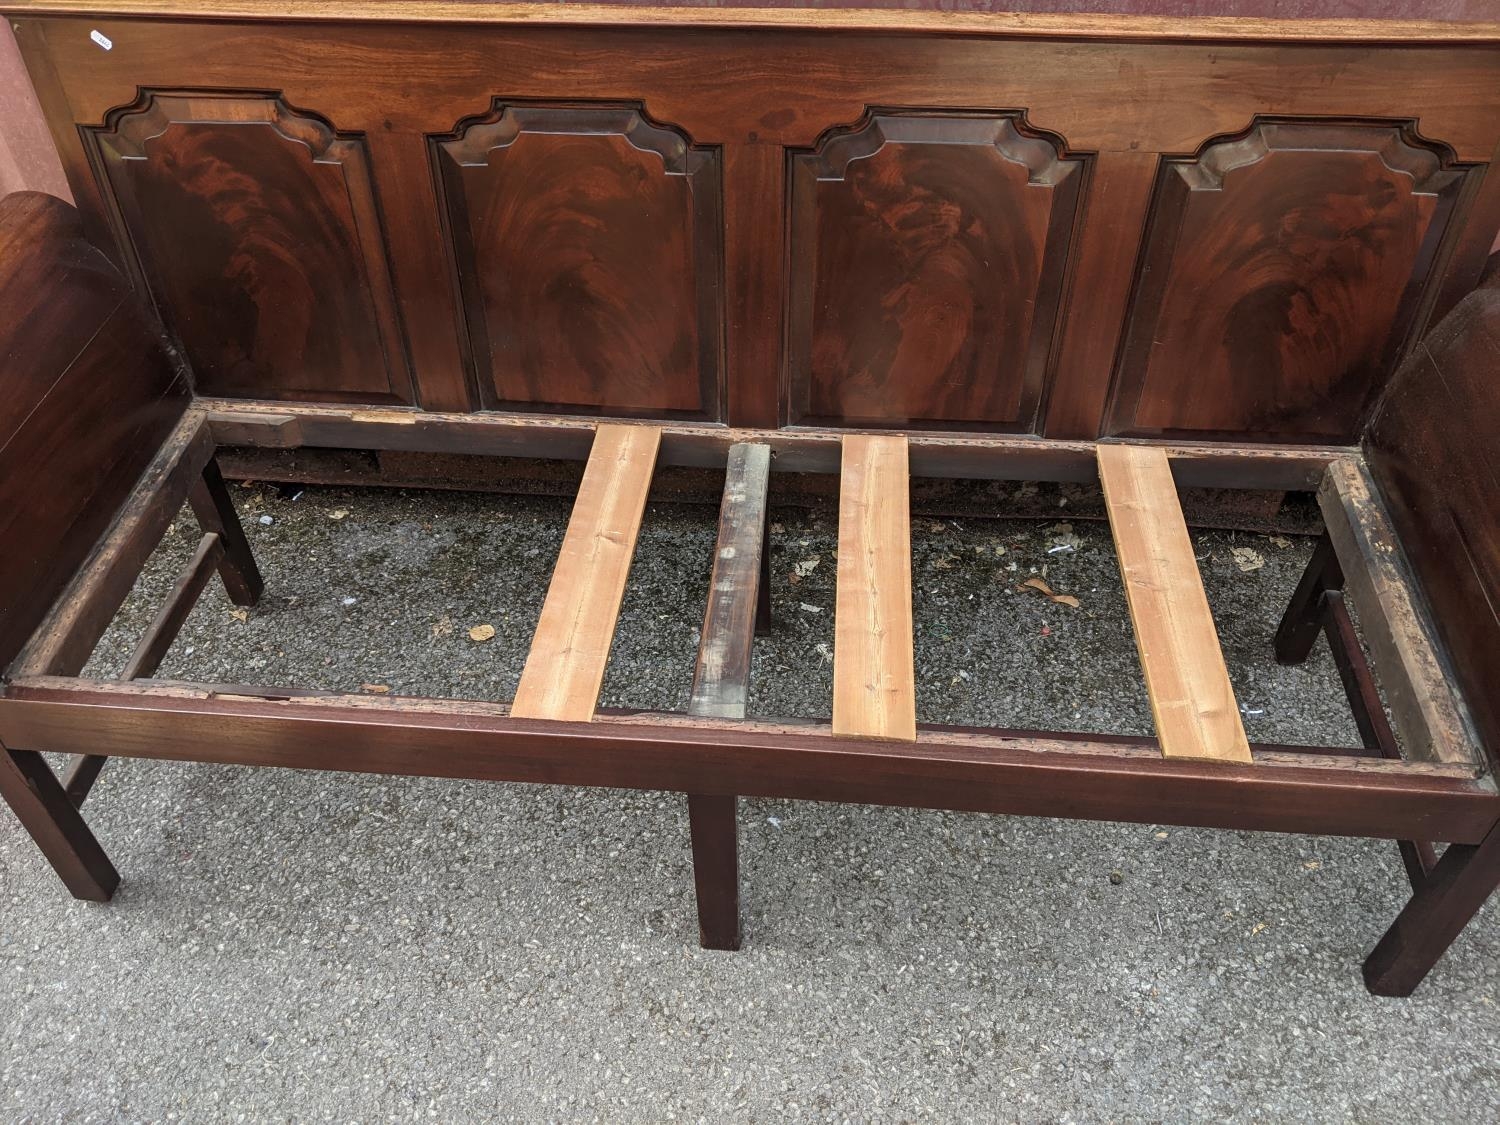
(586, 241)
(755, 97)
(1283, 269)
(1115, 210)
(1192, 700)
(874, 675)
(927, 259)
(754, 282)
(570, 648)
(257, 230)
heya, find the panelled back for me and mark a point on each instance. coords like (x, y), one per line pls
(1221, 241)
(89, 394)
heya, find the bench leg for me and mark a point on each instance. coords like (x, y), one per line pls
(37, 798)
(215, 512)
(1303, 620)
(1438, 911)
(714, 825)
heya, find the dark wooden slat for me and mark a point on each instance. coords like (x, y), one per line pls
(215, 512)
(152, 649)
(1355, 797)
(65, 640)
(722, 675)
(721, 681)
(1432, 720)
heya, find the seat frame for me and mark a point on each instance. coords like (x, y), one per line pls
(1419, 777)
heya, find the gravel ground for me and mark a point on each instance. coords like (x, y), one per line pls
(320, 946)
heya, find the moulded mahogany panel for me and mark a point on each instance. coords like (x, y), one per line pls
(587, 242)
(256, 229)
(1282, 272)
(928, 253)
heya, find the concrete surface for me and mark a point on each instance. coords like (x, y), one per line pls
(292, 946)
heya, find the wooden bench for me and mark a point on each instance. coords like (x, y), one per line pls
(1149, 255)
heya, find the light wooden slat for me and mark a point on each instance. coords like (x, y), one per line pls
(571, 645)
(1192, 700)
(721, 680)
(1430, 717)
(874, 693)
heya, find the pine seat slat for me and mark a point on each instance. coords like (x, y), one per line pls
(570, 647)
(1193, 703)
(874, 692)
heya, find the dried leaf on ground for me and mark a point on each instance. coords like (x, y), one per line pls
(480, 633)
(945, 563)
(376, 689)
(1281, 541)
(1041, 586)
(442, 626)
(338, 513)
(240, 615)
(1247, 559)
(806, 566)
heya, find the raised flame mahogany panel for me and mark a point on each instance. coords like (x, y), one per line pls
(928, 254)
(587, 242)
(1282, 272)
(256, 229)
